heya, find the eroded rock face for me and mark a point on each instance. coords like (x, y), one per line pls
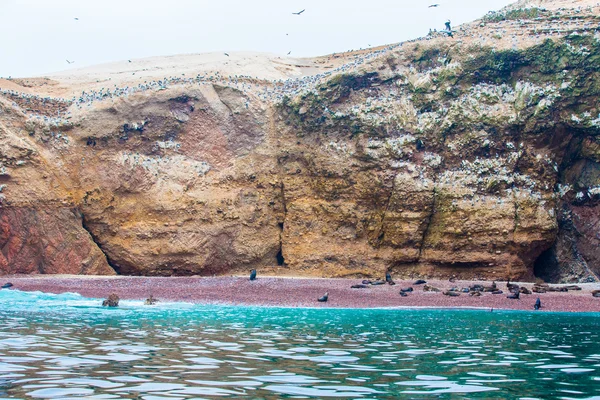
(438, 158)
(47, 241)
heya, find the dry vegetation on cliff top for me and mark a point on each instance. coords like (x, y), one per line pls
(476, 156)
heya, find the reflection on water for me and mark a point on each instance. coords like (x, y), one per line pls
(66, 346)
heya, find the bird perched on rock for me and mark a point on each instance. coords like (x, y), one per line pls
(538, 304)
(7, 285)
(253, 275)
(324, 298)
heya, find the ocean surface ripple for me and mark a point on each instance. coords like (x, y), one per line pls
(67, 346)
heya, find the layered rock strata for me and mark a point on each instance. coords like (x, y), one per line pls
(443, 156)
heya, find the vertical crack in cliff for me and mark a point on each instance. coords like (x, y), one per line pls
(516, 214)
(428, 224)
(279, 256)
(96, 242)
(381, 232)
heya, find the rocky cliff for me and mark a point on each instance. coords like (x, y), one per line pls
(476, 155)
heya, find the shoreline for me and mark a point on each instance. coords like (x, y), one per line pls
(301, 292)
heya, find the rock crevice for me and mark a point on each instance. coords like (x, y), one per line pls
(440, 156)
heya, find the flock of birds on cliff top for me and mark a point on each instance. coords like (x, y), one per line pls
(280, 88)
(265, 90)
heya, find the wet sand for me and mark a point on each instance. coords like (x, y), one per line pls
(301, 292)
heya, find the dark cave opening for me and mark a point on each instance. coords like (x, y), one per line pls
(545, 268)
(279, 256)
(280, 259)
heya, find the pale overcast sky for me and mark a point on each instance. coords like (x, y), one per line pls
(38, 36)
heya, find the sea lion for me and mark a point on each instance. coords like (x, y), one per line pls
(452, 279)
(406, 290)
(377, 283)
(497, 292)
(465, 290)
(7, 285)
(253, 275)
(475, 294)
(359, 286)
(388, 279)
(324, 298)
(451, 293)
(403, 294)
(476, 288)
(492, 288)
(111, 301)
(429, 288)
(515, 295)
(419, 282)
(596, 293)
(557, 289)
(573, 287)
(538, 304)
(150, 301)
(524, 290)
(366, 282)
(539, 289)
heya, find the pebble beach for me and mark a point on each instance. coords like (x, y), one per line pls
(302, 292)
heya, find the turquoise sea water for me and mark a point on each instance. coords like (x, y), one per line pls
(67, 346)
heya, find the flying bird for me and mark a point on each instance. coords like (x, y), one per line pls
(70, 62)
(129, 60)
(434, 5)
(289, 53)
(76, 19)
(226, 54)
(299, 12)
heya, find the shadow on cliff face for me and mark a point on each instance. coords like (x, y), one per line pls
(575, 255)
